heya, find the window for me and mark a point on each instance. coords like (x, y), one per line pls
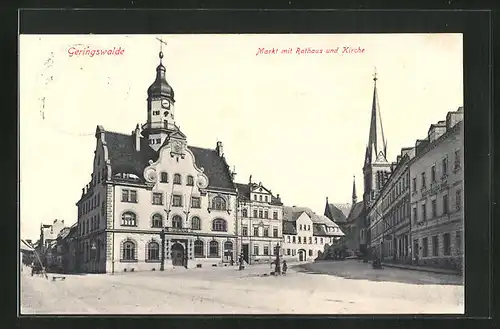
(266, 250)
(129, 219)
(293, 239)
(321, 240)
(310, 252)
(260, 198)
(458, 200)
(254, 213)
(218, 203)
(414, 183)
(157, 198)
(288, 238)
(228, 245)
(213, 248)
(266, 232)
(424, 212)
(129, 196)
(434, 208)
(244, 213)
(310, 240)
(308, 227)
(316, 239)
(288, 252)
(190, 180)
(445, 204)
(177, 201)
(433, 173)
(158, 140)
(196, 223)
(266, 198)
(446, 244)
(300, 227)
(275, 215)
(255, 197)
(266, 214)
(164, 177)
(457, 160)
(294, 252)
(198, 248)
(157, 221)
(260, 213)
(128, 251)
(177, 179)
(244, 231)
(153, 251)
(435, 246)
(255, 249)
(195, 202)
(300, 239)
(423, 180)
(444, 165)
(219, 225)
(255, 231)
(415, 219)
(177, 221)
(156, 112)
(275, 232)
(425, 246)
(458, 243)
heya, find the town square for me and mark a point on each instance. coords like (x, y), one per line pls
(173, 201)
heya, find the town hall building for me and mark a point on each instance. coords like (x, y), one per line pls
(152, 180)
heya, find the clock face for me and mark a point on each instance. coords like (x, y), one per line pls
(165, 103)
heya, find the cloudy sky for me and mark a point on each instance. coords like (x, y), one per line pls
(297, 122)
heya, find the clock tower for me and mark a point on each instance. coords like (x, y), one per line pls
(161, 122)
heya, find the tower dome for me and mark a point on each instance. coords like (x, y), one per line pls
(160, 87)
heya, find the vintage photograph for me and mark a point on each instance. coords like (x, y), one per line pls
(241, 174)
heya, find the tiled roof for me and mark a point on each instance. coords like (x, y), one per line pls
(335, 214)
(125, 159)
(319, 230)
(356, 211)
(289, 227)
(244, 193)
(344, 207)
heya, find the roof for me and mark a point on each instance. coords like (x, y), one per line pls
(293, 213)
(334, 213)
(356, 211)
(125, 159)
(244, 193)
(289, 227)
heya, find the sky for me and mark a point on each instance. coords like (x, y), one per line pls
(296, 122)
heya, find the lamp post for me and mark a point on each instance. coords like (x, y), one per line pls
(277, 266)
(162, 236)
(93, 248)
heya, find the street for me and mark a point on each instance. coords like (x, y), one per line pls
(348, 287)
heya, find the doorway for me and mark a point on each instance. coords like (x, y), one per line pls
(245, 253)
(302, 255)
(177, 255)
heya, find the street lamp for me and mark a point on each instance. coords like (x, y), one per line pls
(162, 236)
(94, 248)
(277, 267)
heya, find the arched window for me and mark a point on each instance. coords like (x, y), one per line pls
(195, 223)
(164, 177)
(219, 225)
(157, 221)
(218, 203)
(177, 179)
(129, 219)
(244, 213)
(190, 180)
(153, 251)
(128, 250)
(198, 248)
(228, 245)
(177, 221)
(214, 249)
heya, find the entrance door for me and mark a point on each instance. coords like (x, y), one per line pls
(301, 255)
(177, 255)
(245, 252)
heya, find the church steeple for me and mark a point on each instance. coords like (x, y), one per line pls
(376, 149)
(354, 197)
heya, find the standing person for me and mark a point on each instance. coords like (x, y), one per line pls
(285, 267)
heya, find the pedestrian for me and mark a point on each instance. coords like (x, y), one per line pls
(285, 267)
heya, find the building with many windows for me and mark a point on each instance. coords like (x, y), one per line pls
(260, 216)
(306, 234)
(437, 194)
(151, 180)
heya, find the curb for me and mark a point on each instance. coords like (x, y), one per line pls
(422, 269)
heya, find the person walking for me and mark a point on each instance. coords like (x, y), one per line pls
(285, 267)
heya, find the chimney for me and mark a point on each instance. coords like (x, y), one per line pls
(137, 135)
(219, 149)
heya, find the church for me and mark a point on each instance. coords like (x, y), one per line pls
(151, 181)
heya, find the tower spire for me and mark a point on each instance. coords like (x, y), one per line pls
(376, 149)
(354, 197)
(161, 48)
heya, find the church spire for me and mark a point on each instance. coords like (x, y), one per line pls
(354, 197)
(376, 150)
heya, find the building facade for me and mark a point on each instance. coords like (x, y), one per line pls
(307, 234)
(437, 194)
(151, 181)
(260, 217)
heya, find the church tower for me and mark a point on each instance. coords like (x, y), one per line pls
(376, 168)
(160, 104)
